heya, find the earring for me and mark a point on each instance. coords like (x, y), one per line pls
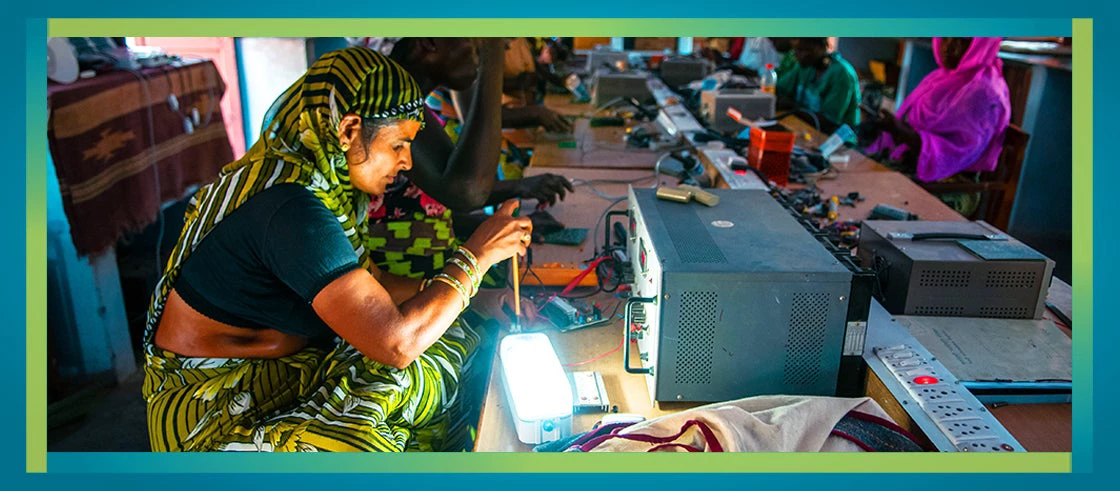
(345, 147)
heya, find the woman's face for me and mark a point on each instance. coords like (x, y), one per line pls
(953, 50)
(375, 165)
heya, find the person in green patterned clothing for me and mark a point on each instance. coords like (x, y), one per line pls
(456, 167)
(271, 330)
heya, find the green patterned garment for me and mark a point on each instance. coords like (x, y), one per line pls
(412, 234)
(316, 399)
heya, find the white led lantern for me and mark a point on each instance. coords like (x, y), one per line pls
(536, 387)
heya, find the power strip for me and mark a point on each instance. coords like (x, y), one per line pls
(938, 403)
(955, 411)
(721, 159)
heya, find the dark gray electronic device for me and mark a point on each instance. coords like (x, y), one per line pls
(735, 300)
(955, 269)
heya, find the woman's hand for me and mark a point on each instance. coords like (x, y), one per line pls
(501, 236)
(891, 124)
(545, 188)
(551, 120)
(899, 130)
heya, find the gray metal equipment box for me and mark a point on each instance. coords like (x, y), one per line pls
(732, 301)
(602, 58)
(954, 269)
(751, 103)
(682, 71)
(608, 85)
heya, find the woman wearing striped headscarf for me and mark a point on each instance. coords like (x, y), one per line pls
(411, 229)
(270, 329)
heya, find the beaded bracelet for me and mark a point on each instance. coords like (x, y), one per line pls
(454, 283)
(476, 281)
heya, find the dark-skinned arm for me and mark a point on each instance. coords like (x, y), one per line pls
(900, 131)
(362, 311)
(460, 176)
(400, 288)
(545, 188)
(530, 116)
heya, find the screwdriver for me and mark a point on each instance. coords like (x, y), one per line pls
(516, 326)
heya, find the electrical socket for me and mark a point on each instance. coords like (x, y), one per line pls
(949, 411)
(973, 435)
(989, 445)
(932, 394)
(968, 429)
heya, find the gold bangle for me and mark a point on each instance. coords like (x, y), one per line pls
(471, 258)
(456, 285)
(471, 273)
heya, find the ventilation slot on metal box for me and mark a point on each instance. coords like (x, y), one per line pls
(1011, 279)
(808, 320)
(690, 238)
(944, 278)
(699, 314)
(938, 310)
(1005, 312)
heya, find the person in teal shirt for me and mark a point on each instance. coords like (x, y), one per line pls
(823, 84)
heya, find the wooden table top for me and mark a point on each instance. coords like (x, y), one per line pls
(1039, 427)
(627, 391)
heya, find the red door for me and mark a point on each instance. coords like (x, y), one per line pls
(224, 54)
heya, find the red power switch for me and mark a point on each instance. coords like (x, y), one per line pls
(925, 380)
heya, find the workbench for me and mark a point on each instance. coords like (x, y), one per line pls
(603, 168)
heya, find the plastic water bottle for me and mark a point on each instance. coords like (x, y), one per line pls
(576, 87)
(768, 79)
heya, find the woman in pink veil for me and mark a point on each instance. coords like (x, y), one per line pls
(954, 120)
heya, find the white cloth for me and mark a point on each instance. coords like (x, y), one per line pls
(755, 424)
(381, 45)
(757, 52)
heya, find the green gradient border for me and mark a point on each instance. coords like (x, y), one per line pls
(566, 27)
(1082, 256)
(38, 460)
(36, 272)
(524, 463)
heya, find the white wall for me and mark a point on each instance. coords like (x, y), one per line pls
(268, 67)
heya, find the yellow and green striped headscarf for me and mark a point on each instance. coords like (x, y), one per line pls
(299, 144)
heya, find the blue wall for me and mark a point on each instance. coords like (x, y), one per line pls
(1043, 212)
(320, 46)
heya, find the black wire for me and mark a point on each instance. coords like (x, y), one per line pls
(577, 297)
(610, 268)
(529, 269)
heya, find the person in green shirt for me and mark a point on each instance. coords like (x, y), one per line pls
(787, 47)
(822, 83)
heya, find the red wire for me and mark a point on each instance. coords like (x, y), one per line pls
(579, 277)
(597, 358)
(575, 281)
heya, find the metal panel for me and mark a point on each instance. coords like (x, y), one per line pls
(698, 316)
(768, 318)
(808, 324)
(945, 278)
